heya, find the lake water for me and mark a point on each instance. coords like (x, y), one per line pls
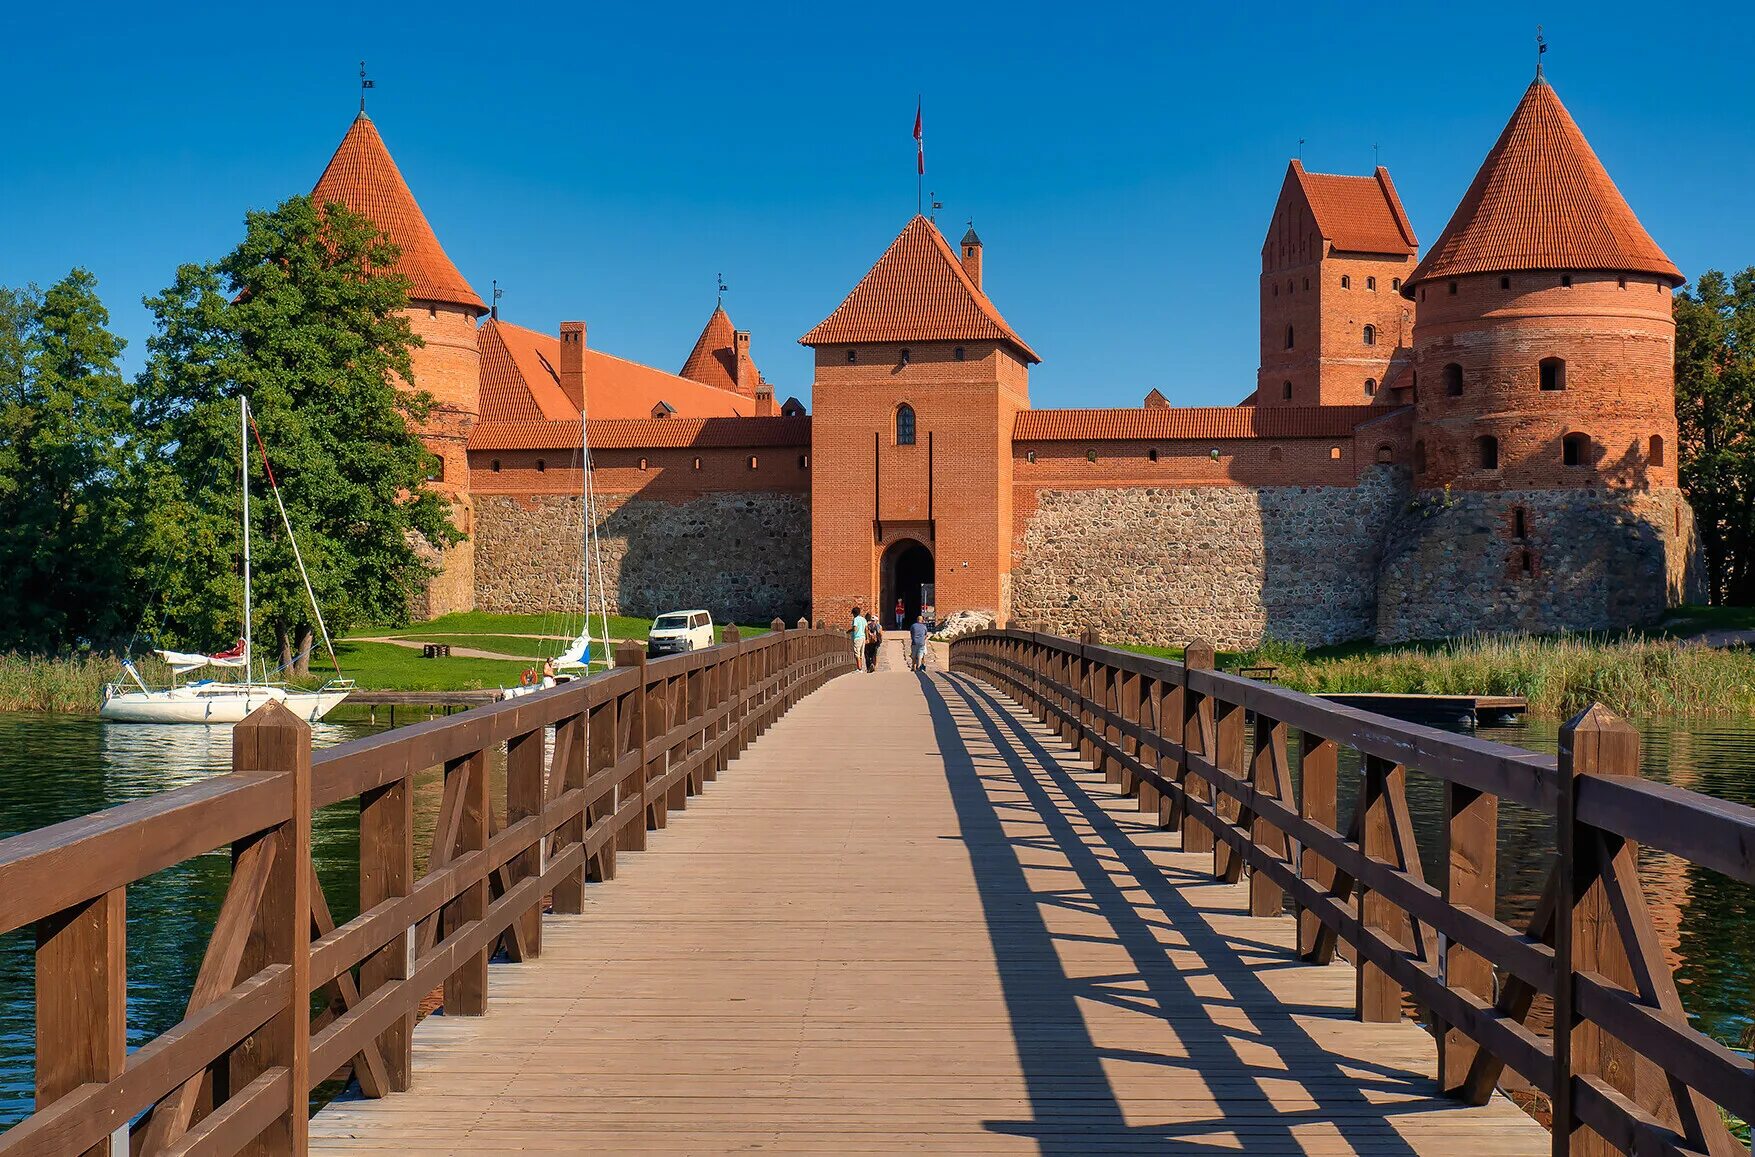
(54, 768)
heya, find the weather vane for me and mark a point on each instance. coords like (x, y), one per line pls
(1541, 47)
(365, 83)
(1300, 149)
(719, 279)
(495, 310)
(936, 205)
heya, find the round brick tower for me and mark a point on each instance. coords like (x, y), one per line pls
(1545, 421)
(442, 311)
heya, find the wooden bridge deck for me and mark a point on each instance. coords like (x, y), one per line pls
(910, 921)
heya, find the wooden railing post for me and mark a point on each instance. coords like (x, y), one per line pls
(466, 988)
(1470, 852)
(1128, 704)
(387, 873)
(631, 738)
(697, 701)
(82, 1003)
(567, 773)
(1318, 801)
(524, 793)
(602, 748)
(1197, 738)
(1151, 719)
(1271, 776)
(1226, 756)
(1377, 997)
(731, 696)
(1088, 691)
(273, 741)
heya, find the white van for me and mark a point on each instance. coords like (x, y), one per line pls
(676, 631)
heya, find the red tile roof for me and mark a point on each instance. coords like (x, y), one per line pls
(1357, 214)
(1191, 422)
(645, 433)
(520, 383)
(362, 176)
(1542, 200)
(917, 291)
(713, 361)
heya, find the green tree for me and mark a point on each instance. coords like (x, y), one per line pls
(296, 320)
(1715, 415)
(69, 467)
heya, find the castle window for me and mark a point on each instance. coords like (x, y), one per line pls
(907, 356)
(1420, 457)
(804, 461)
(1307, 283)
(1286, 391)
(1371, 284)
(1575, 450)
(1152, 455)
(1422, 293)
(541, 466)
(752, 461)
(1395, 283)
(1334, 453)
(1030, 457)
(1453, 380)
(1488, 446)
(697, 463)
(1566, 281)
(1346, 282)
(1520, 522)
(1090, 455)
(1553, 371)
(1656, 450)
(1276, 289)
(1289, 285)
(1275, 454)
(960, 355)
(494, 465)
(642, 463)
(1386, 454)
(1288, 337)
(852, 355)
(432, 311)
(1370, 387)
(1526, 562)
(436, 472)
(904, 425)
(1505, 283)
(1453, 289)
(1623, 283)
(1370, 335)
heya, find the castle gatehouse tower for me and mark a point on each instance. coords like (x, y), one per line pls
(1544, 451)
(443, 311)
(918, 382)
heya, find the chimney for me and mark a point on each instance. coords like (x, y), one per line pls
(764, 400)
(744, 377)
(972, 255)
(573, 362)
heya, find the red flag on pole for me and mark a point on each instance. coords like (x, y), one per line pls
(919, 143)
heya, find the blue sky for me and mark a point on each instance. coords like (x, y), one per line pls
(605, 162)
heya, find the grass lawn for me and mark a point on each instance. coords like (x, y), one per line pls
(452, 628)
(387, 667)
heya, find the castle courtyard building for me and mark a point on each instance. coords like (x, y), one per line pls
(1482, 439)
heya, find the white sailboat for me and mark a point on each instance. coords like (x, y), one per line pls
(209, 701)
(576, 657)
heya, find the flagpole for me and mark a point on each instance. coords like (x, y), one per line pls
(919, 155)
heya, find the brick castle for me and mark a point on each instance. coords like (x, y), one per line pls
(1480, 440)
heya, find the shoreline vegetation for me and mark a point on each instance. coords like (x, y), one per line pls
(74, 684)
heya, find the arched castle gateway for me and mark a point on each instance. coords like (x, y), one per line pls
(1480, 440)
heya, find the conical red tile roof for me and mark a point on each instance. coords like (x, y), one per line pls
(917, 291)
(1542, 200)
(362, 176)
(713, 361)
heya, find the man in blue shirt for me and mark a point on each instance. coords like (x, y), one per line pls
(858, 637)
(917, 641)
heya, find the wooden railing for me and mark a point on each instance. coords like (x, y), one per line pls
(235, 1074)
(1624, 1069)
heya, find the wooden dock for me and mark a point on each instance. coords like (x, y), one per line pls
(911, 921)
(1435, 710)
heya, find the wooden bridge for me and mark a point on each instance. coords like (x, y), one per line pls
(1059, 899)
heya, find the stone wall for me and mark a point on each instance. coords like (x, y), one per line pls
(744, 557)
(1233, 564)
(1460, 562)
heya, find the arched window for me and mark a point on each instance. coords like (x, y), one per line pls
(1370, 387)
(1488, 446)
(904, 425)
(1566, 281)
(1623, 283)
(1286, 391)
(1334, 453)
(1453, 380)
(1030, 456)
(804, 461)
(1152, 455)
(1395, 283)
(1090, 455)
(907, 356)
(1346, 282)
(1371, 284)
(1553, 371)
(1386, 454)
(541, 466)
(1520, 522)
(960, 355)
(1307, 283)
(1657, 450)
(1575, 450)
(752, 461)
(494, 465)
(1288, 337)
(697, 463)
(1505, 283)
(852, 355)
(1453, 289)
(642, 463)
(1370, 335)
(1420, 457)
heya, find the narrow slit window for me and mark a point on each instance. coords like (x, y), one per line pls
(1488, 447)
(1453, 380)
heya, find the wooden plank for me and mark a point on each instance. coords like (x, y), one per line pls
(525, 794)
(1198, 735)
(466, 990)
(387, 873)
(1470, 851)
(81, 999)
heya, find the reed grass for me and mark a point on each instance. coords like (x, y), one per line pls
(1630, 675)
(73, 683)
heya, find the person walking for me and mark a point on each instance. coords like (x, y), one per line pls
(917, 645)
(901, 613)
(859, 625)
(874, 638)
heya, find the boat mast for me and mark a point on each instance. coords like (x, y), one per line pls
(244, 474)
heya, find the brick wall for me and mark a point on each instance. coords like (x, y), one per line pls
(448, 367)
(674, 474)
(1616, 337)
